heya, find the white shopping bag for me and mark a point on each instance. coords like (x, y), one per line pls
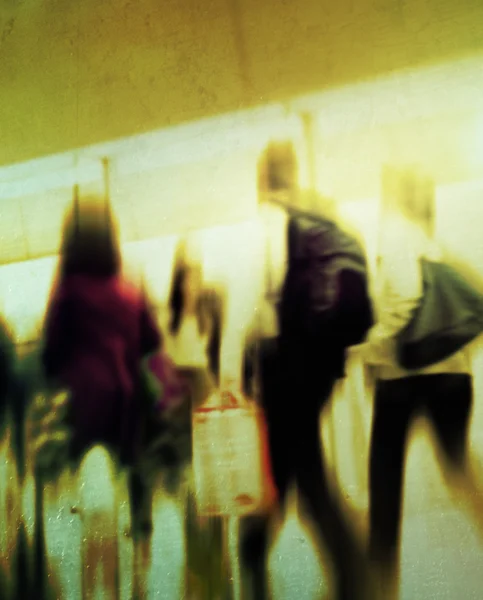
(231, 470)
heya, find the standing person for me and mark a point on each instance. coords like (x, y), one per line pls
(443, 391)
(97, 331)
(317, 303)
(196, 315)
(195, 328)
(11, 446)
(44, 456)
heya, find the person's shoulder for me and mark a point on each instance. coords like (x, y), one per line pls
(127, 290)
(307, 224)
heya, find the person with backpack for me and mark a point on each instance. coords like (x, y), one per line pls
(317, 301)
(420, 364)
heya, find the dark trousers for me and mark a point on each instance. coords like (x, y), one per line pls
(446, 400)
(295, 388)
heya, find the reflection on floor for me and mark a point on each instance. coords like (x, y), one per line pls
(442, 555)
(441, 551)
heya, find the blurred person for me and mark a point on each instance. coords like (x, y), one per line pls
(11, 447)
(442, 392)
(45, 454)
(11, 408)
(98, 329)
(315, 305)
(193, 343)
(196, 316)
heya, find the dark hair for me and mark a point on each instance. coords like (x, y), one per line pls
(209, 311)
(176, 299)
(89, 241)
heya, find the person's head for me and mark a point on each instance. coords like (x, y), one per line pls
(277, 171)
(278, 180)
(410, 192)
(89, 240)
(187, 285)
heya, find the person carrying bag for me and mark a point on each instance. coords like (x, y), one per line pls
(426, 315)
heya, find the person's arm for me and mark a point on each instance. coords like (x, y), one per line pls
(240, 318)
(231, 346)
(151, 338)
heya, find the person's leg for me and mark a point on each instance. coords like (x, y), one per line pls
(18, 396)
(319, 499)
(395, 404)
(141, 496)
(255, 532)
(254, 547)
(207, 576)
(449, 405)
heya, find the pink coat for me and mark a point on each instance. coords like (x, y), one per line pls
(97, 332)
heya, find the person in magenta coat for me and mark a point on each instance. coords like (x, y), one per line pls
(98, 330)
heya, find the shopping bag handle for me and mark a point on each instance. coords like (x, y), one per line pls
(233, 398)
(228, 396)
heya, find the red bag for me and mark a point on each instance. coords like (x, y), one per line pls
(271, 495)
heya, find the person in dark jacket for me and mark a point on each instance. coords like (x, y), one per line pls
(10, 410)
(97, 331)
(33, 577)
(322, 306)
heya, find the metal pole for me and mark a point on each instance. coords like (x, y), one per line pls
(309, 132)
(107, 190)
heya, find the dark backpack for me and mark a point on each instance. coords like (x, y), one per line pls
(326, 287)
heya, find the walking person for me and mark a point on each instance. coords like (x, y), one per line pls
(98, 329)
(317, 303)
(442, 391)
(194, 341)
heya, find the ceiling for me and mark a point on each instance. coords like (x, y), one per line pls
(74, 74)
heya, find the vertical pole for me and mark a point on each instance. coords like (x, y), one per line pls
(309, 133)
(76, 200)
(107, 190)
